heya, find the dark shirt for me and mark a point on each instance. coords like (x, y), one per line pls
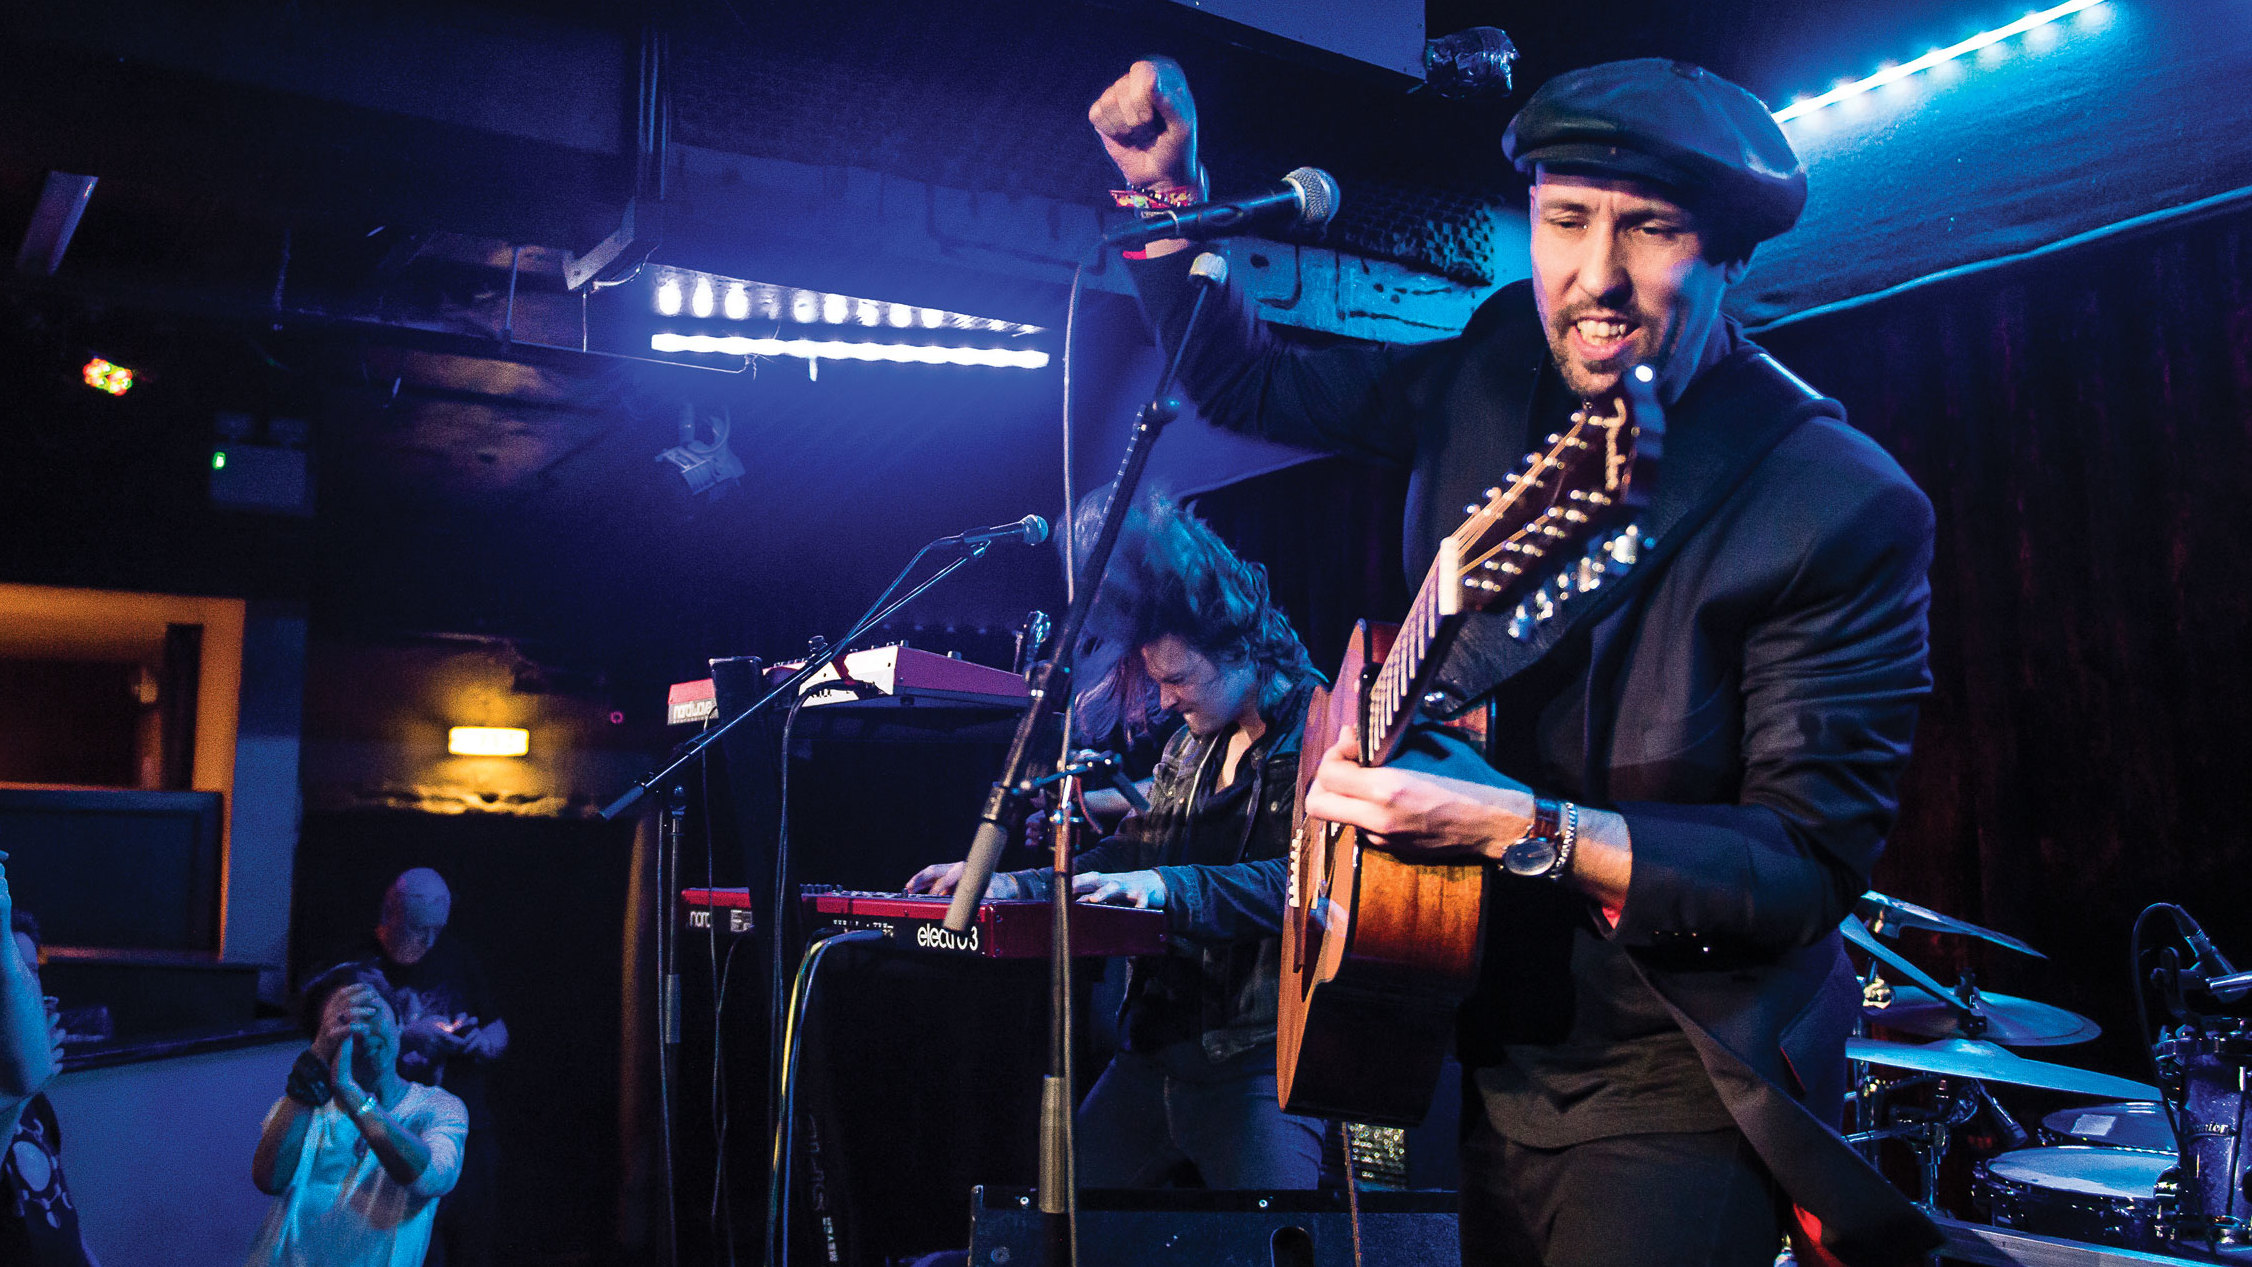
(445, 982)
(1567, 1041)
(38, 1222)
(1169, 1008)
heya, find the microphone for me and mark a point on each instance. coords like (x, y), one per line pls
(1031, 530)
(2210, 961)
(1306, 199)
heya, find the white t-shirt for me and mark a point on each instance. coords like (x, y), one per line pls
(342, 1209)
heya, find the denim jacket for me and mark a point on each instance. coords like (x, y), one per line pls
(1228, 917)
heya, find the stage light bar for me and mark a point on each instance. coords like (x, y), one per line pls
(840, 350)
(739, 300)
(102, 376)
(1937, 56)
(488, 741)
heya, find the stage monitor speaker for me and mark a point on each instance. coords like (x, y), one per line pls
(1221, 1229)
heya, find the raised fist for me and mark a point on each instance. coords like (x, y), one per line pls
(1147, 121)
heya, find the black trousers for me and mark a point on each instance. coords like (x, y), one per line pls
(1685, 1200)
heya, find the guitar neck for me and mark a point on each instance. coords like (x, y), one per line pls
(1389, 704)
(1535, 545)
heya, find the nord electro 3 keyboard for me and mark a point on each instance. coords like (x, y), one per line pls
(1004, 930)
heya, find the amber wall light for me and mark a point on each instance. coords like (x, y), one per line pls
(488, 741)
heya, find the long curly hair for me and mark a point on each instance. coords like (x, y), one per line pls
(1173, 575)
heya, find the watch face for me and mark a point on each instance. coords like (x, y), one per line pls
(1529, 857)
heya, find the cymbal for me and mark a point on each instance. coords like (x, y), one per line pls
(1967, 1058)
(2010, 1021)
(1887, 914)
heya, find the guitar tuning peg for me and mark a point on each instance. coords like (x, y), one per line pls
(1470, 508)
(1493, 492)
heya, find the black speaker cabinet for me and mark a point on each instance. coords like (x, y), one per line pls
(1220, 1229)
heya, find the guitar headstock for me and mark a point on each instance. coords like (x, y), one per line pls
(1563, 524)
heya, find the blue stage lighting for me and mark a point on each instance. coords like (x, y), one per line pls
(1894, 74)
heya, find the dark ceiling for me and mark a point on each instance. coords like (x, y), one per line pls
(267, 251)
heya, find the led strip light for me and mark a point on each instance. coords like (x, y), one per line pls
(1894, 74)
(838, 350)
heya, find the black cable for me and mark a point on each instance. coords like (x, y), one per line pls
(668, 835)
(720, 1221)
(724, 1208)
(2142, 1019)
(778, 1053)
(785, 1127)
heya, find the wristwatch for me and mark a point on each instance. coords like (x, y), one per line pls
(1545, 850)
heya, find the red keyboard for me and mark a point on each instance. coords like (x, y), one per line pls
(731, 908)
(1004, 930)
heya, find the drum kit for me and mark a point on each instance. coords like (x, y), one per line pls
(2160, 1169)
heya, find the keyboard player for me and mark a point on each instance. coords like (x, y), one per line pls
(1194, 1078)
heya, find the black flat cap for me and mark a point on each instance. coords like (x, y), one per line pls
(1678, 125)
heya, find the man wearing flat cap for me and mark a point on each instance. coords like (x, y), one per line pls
(1654, 1057)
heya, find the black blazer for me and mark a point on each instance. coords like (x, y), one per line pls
(1748, 708)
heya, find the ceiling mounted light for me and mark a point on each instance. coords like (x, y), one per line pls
(1938, 56)
(845, 350)
(704, 462)
(739, 300)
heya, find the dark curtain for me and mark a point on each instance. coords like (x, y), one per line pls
(2083, 424)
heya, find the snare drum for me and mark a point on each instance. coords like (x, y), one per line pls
(2134, 1124)
(2106, 1196)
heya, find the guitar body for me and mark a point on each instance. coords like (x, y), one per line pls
(1377, 953)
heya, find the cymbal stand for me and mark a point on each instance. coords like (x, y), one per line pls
(1928, 1132)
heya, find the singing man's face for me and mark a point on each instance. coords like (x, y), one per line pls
(1621, 279)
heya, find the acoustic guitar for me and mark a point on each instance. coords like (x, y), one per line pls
(1379, 952)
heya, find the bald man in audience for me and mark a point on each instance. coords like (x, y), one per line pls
(449, 1033)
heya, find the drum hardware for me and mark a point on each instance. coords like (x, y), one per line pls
(1886, 916)
(2002, 1018)
(2128, 1124)
(1928, 1008)
(1970, 1058)
(1928, 1131)
(2083, 1192)
(2204, 1070)
(2203, 1061)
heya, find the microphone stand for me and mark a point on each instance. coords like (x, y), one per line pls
(669, 993)
(1051, 691)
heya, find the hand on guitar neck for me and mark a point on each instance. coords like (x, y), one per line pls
(1425, 817)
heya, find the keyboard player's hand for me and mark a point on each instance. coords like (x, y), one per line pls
(1120, 888)
(941, 879)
